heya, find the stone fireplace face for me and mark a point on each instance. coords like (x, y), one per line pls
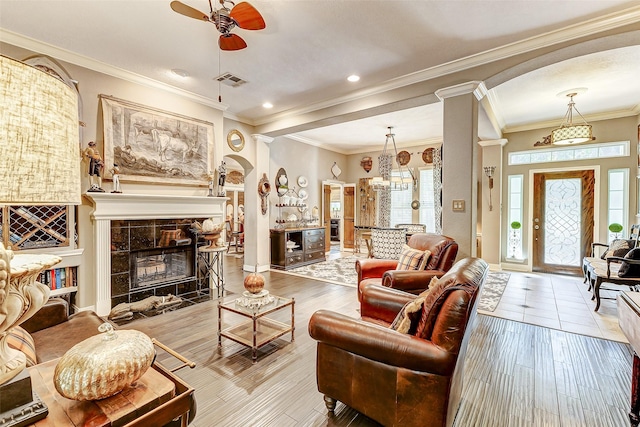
(154, 257)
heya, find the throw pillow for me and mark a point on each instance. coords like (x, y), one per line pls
(406, 322)
(619, 247)
(627, 269)
(412, 259)
(21, 340)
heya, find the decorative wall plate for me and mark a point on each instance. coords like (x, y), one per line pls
(302, 181)
(403, 158)
(427, 155)
(303, 194)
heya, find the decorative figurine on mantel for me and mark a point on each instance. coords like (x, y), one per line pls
(95, 165)
(115, 172)
(222, 176)
(210, 177)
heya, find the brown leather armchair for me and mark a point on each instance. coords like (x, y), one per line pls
(382, 271)
(398, 379)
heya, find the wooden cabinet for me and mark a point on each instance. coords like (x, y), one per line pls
(307, 247)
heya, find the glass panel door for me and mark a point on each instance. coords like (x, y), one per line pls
(562, 226)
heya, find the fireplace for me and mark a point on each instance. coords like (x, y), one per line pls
(153, 257)
(143, 246)
(159, 266)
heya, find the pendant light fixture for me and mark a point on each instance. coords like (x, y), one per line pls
(569, 133)
(384, 180)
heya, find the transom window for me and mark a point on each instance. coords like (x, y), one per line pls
(564, 154)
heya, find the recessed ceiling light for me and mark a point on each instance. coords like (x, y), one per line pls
(267, 105)
(180, 73)
(353, 78)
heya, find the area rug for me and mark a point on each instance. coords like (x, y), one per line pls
(342, 271)
(493, 289)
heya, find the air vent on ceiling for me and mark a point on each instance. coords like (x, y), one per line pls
(230, 80)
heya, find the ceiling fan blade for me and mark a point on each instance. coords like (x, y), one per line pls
(231, 42)
(185, 10)
(247, 17)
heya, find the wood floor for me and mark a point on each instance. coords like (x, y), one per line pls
(517, 374)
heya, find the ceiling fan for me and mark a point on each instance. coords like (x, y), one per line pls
(242, 15)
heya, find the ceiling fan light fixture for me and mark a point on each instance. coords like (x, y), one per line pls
(569, 133)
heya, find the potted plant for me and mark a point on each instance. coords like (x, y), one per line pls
(615, 228)
(514, 239)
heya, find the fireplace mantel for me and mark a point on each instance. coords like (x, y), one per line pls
(114, 206)
(110, 206)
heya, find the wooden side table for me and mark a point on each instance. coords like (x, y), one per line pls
(156, 399)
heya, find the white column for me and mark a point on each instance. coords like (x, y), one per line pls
(102, 236)
(257, 249)
(491, 219)
(459, 164)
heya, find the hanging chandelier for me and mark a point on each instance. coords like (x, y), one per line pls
(569, 133)
(385, 180)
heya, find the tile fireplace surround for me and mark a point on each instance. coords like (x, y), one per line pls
(109, 206)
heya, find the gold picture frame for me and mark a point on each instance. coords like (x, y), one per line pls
(235, 139)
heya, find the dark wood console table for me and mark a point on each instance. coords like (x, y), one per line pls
(156, 399)
(629, 319)
(308, 247)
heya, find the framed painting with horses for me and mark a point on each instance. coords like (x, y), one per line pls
(151, 145)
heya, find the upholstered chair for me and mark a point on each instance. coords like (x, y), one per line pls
(386, 243)
(443, 251)
(397, 378)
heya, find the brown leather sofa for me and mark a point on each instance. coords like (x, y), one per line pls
(383, 271)
(399, 379)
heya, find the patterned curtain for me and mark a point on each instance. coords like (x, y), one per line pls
(384, 214)
(437, 188)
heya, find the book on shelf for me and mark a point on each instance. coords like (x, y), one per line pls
(59, 278)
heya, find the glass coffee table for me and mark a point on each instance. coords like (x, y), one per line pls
(255, 329)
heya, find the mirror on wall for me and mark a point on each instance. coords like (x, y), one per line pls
(235, 139)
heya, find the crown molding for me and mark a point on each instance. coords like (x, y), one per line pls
(491, 142)
(101, 67)
(315, 143)
(572, 32)
(475, 87)
(429, 141)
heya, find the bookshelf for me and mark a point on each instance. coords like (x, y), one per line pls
(61, 280)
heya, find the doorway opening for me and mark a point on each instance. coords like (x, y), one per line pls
(338, 208)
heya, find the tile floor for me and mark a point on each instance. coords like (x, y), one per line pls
(558, 302)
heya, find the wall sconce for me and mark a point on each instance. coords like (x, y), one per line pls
(489, 171)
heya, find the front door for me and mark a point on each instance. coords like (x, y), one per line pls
(563, 222)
